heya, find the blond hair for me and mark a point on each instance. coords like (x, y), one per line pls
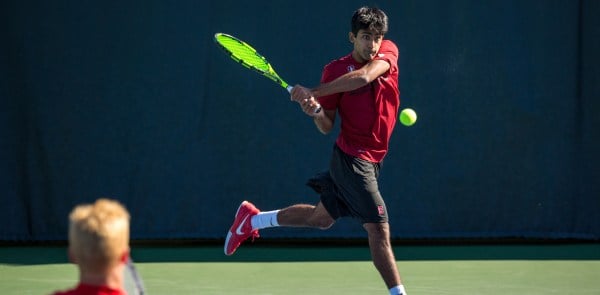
(99, 234)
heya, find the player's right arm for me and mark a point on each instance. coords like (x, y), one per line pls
(353, 80)
(347, 82)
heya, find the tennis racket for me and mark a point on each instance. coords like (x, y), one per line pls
(247, 56)
(133, 281)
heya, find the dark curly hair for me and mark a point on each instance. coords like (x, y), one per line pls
(369, 18)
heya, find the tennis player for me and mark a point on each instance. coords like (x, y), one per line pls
(363, 88)
(99, 246)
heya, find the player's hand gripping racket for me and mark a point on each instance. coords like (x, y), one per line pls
(247, 56)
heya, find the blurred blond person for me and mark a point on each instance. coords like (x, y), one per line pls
(99, 246)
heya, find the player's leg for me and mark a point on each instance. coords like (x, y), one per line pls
(382, 253)
(305, 215)
(302, 215)
(249, 219)
(356, 179)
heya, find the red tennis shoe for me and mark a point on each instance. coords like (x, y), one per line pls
(241, 228)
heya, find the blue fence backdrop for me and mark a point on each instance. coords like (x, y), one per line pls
(134, 101)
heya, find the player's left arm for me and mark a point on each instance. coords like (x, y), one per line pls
(353, 80)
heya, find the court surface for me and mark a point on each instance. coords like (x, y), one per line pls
(483, 269)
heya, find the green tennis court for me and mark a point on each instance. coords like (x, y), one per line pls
(257, 269)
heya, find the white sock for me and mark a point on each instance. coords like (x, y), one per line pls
(265, 219)
(398, 290)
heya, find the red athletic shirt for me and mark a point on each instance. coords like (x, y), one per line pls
(84, 289)
(368, 114)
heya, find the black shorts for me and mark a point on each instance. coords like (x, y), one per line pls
(350, 189)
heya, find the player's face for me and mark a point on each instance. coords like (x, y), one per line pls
(366, 45)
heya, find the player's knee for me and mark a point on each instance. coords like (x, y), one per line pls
(322, 223)
(378, 231)
(325, 225)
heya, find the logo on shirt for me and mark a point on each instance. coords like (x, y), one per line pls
(380, 210)
(380, 54)
(350, 68)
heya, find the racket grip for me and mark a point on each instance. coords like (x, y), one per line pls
(317, 110)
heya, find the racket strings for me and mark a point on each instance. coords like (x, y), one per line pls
(248, 57)
(244, 53)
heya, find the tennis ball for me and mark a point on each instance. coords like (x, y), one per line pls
(408, 117)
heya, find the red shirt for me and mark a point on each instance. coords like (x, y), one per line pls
(83, 289)
(368, 114)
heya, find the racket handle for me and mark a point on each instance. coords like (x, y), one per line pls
(319, 108)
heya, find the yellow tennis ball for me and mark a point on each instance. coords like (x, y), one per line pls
(408, 117)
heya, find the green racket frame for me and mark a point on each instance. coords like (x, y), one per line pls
(247, 56)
